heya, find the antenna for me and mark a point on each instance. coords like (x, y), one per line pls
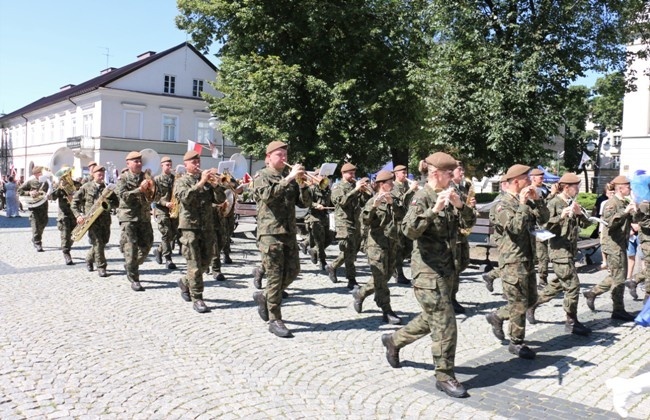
(107, 54)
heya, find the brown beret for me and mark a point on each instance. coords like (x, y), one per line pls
(621, 179)
(399, 168)
(536, 171)
(166, 159)
(569, 178)
(99, 168)
(275, 145)
(37, 169)
(91, 164)
(191, 154)
(347, 167)
(516, 170)
(384, 176)
(442, 161)
(134, 155)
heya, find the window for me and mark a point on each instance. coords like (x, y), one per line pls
(170, 84)
(132, 124)
(203, 132)
(170, 128)
(61, 130)
(88, 125)
(197, 87)
(617, 141)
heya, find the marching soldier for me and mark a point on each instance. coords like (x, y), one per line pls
(517, 213)
(99, 232)
(347, 198)
(432, 223)
(495, 273)
(66, 220)
(541, 247)
(642, 218)
(565, 220)
(33, 187)
(318, 223)
(136, 192)
(167, 225)
(404, 191)
(276, 197)
(617, 213)
(218, 244)
(381, 214)
(196, 192)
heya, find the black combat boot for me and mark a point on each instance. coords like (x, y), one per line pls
(574, 326)
(226, 258)
(278, 328)
(200, 306)
(313, 254)
(458, 308)
(323, 265)
(390, 317)
(157, 255)
(218, 276)
(185, 291)
(331, 272)
(591, 299)
(101, 272)
(630, 285)
(358, 300)
(170, 265)
(392, 352)
(352, 282)
(38, 246)
(257, 277)
(262, 309)
(489, 281)
(401, 278)
(622, 315)
(521, 350)
(68, 258)
(90, 266)
(497, 325)
(530, 314)
(452, 387)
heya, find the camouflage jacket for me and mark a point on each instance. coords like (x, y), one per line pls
(617, 232)
(133, 207)
(564, 245)
(463, 191)
(642, 217)
(322, 197)
(33, 184)
(434, 235)
(64, 205)
(383, 222)
(492, 217)
(348, 204)
(86, 197)
(515, 224)
(401, 191)
(164, 187)
(276, 202)
(196, 204)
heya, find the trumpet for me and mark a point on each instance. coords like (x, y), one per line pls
(307, 177)
(366, 187)
(220, 180)
(150, 190)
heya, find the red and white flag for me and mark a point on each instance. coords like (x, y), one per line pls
(192, 145)
(247, 178)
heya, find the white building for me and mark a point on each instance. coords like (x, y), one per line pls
(152, 103)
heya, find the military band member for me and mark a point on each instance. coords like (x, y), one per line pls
(218, 244)
(34, 188)
(565, 220)
(642, 218)
(432, 223)
(617, 213)
(318, 222)
(228, 219)
(381, 214)
(494, 273)
(99, 232)
(541, 247)
(348, 200)
(197, 192)
(276, 196)
(136, 192)
(168, 226)
(404, 190)
(66, 221)
(517, 214)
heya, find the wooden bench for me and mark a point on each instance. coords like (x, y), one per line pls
(588, 248)
(484, 228)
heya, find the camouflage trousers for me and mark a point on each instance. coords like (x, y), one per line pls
(135, 242)
(382, 265)
(198, 246)
(38, 220)
(217, 246)
(228, 230)
(349, 247)
(520, 288)
(282, 264)
(615, 281)
(567, 281)
(462, 262)
(542, 259)
(66, 225)
(437, 319)
(98, 236)
(404, 249)
(494, 274)
(644, 273)
(319, 237)
(168, 228)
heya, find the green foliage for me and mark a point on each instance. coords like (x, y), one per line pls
(607, 104)
(485, 197)
(587, 200)
(576, 113)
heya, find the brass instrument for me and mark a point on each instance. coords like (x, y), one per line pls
(471, 193)
(100, 206)
(41, 197)
(322, 182)
(66, 183)
(150, 189)
(175, 209)
(220, 180)
(366, 187)
(150, 167)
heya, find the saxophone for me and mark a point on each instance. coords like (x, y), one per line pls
(100, 206)
(471, 193)
(176, 205)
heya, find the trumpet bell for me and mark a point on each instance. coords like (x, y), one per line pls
(150, 161)
(60, 159)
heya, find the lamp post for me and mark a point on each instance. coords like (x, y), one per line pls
(215, 124)
(601, 136)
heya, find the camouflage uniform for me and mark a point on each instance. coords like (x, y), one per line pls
(563, 248)
(196, 222)
(38, 216)
(167, 226)
(347, 202)
(276, 233)
(405, 245)
(318, 222)
(642, 217)
(228, 222)
(614, 244)
(134, 214)
(433, 265)
(382, 248)
(218, 243)
(541, 247)
(66, 220)
(99, 232)
(363, 228)
(462, 245)
(516, 259)
(495, 273)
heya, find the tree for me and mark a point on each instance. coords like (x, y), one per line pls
(330, 78)
(576, 114)
(607, 101)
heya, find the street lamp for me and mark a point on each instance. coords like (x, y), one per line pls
(215, 123)
(591, 146)
(606, 146)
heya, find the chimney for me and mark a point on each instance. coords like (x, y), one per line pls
(146, 55)
(66, 87)
(107, 70)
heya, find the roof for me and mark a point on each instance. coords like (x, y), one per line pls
(99, 81)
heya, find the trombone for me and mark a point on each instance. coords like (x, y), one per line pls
(322, 183)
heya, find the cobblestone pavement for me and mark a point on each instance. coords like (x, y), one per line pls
(76, 345)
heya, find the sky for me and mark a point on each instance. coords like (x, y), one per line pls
(46, 44)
